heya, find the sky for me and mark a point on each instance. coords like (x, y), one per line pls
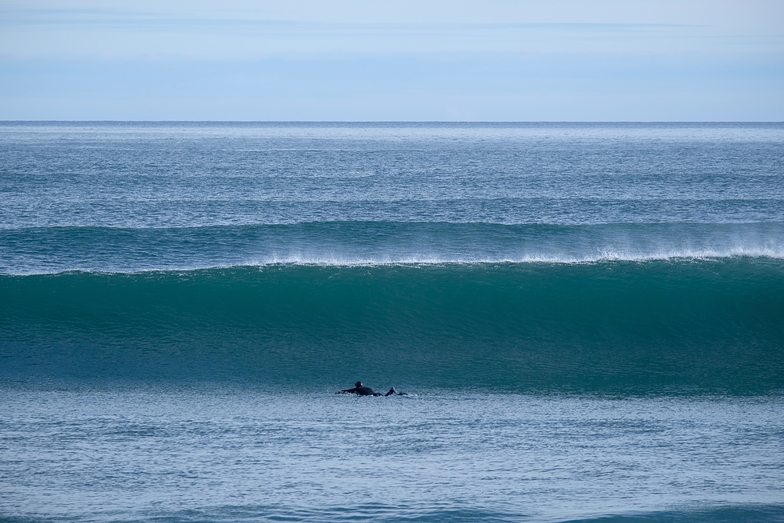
(401, 60)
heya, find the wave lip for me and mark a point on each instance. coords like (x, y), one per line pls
(53, 250)
(605, 256)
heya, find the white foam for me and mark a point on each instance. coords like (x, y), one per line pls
(601, 256)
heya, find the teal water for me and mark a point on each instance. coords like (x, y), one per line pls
(588, 320)
(675, 326)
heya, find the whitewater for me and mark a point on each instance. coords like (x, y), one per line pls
(588, 319)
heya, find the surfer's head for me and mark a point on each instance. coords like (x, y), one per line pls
(358, 384)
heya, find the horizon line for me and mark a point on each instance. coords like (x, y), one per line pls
(16, 121)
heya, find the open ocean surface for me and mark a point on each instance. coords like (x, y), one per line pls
(588, 319)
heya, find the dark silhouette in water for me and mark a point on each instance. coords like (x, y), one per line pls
(394, 392)
(362, 390)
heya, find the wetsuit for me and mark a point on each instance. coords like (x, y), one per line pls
(393, 392)
(360, 390)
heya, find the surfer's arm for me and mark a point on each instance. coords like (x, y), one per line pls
(347, 391)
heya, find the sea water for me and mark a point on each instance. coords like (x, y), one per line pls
(588, 319)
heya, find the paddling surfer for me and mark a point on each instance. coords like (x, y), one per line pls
(360, 390)
(393, 392)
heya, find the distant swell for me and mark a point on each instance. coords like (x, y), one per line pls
(673, 326)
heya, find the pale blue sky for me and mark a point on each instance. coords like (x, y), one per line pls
(499, 60)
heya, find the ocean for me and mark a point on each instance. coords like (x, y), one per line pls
(587, 319)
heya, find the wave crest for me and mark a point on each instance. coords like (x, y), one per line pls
(52, 250)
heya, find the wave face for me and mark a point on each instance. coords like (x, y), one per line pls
(660, 326)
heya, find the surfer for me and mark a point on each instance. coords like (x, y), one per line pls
(394, 392)
(360, 390)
